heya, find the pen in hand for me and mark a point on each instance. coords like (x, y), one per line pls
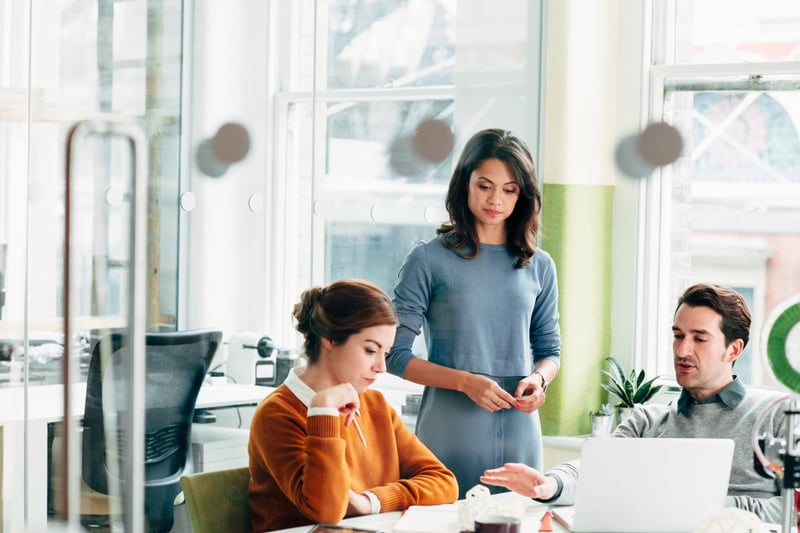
(358, 429)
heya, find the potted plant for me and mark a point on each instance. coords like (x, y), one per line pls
(602, 420)
(631, 389)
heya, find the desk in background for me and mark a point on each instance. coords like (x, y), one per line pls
(220, 446)
(25, 435)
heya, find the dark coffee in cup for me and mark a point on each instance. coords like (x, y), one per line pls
(497, 524)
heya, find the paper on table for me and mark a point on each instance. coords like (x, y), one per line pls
(429, 519)
(444, 518)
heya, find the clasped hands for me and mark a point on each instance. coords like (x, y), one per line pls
(485, 392)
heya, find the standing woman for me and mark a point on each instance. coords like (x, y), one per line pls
(487, 299)
(322, 446)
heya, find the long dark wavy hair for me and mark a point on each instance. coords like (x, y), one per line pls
(522, 226)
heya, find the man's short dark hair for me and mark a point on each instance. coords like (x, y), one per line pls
(725, 301)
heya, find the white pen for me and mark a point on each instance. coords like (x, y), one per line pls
(358, 428)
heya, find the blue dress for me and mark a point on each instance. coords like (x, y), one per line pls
(484, 316)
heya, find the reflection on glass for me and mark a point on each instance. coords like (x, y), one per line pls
(361, 140)
(745, 137)
(390, 43)
(370, 251)
(736, 200)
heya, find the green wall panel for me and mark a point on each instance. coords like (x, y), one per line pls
(576, 231)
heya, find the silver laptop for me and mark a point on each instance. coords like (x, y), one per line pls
(648, 485)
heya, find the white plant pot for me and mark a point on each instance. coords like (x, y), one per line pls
(602, 425)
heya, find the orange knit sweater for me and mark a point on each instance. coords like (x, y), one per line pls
(302, 468)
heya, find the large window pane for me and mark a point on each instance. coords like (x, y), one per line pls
(734, 204)
(738, 31)
(373, 197)
(381, 43)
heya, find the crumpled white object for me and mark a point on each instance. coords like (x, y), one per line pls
(509, 508)
(46, 352)
(476, 503)
(732, 520)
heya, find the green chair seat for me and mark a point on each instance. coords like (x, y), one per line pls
(217, 501)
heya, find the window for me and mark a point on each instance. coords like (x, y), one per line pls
(727, 210)
(102, 61)
(351, 183)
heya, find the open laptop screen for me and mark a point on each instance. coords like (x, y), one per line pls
(663, 485)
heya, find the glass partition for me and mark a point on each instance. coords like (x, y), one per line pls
(65, 62)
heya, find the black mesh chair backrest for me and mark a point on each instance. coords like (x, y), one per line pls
(176, 364)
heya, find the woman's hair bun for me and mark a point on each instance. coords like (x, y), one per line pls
(304, 309)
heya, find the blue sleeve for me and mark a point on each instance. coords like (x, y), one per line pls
(545, 332)
(411, 296)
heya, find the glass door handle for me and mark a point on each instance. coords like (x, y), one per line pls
(133, 419)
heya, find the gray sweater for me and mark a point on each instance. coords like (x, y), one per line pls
(731, 417)
(481, 315)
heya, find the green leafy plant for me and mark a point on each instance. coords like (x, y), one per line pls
(632, 388)
(605, 410)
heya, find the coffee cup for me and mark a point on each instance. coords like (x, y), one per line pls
(497, 524)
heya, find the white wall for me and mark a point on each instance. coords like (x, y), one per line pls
(227, 256)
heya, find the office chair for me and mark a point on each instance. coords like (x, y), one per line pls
(217, 501)
(176, 364)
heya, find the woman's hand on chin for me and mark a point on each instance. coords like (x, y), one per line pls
(343, 398)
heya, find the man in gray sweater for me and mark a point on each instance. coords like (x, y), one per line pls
(710, 329)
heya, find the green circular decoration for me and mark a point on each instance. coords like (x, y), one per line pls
(777, 330)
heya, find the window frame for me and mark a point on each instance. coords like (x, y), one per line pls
(658, 302)
(285, 292)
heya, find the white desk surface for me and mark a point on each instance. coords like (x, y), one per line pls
(221, 395)
(385, 521)
(530, 523)
(45, 402)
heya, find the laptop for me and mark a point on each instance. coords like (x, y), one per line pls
(655, 485)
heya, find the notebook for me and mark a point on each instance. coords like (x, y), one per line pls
(648, 485)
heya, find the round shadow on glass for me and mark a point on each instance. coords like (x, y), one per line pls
(231, 143)
(404, 161)
(660, 144)
(432, 140)
(629, 160)
(207, 160)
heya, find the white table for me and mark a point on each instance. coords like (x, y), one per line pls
(385, 521)
(531, 521)
(23, 440)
